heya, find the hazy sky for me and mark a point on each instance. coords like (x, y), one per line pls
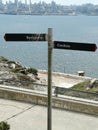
(63, 2)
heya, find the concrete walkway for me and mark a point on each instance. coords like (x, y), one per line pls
(24, 116)
(61, 79)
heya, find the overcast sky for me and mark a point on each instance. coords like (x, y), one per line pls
(63, 2)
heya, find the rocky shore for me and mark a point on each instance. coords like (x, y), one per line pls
(14, 74)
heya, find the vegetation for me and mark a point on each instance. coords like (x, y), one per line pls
(32, 70)
(3, 59)
(15, 70)
(24, 70)
(23, 77)
(81, 86)
(84, 86)
(4, 125)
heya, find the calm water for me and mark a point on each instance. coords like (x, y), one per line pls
(65, 28)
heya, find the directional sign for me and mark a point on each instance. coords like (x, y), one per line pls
(75, 46)
(25, 37)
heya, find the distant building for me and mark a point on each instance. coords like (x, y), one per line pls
(16, 2)
(1, 1)
(29, 6)
(25, 2)
(30, 2)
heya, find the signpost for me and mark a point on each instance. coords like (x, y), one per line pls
(75, 46)
(25, 37)
(50, 47)
(39, 37)
(57, 45)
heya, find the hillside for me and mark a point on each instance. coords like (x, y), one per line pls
(14, 74)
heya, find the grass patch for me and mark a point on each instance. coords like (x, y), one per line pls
(84, 86)
(79, 86)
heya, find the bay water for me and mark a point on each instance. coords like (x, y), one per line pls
(65, 28)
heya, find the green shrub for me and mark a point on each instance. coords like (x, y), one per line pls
(32, 70)
(4, 125)
(3, 59)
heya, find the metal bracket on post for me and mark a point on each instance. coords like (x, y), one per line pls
(50, 47)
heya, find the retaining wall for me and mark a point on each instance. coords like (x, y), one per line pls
(30, 96)
(76, 93)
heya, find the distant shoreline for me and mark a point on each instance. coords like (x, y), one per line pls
(47, 14)
(44, 8)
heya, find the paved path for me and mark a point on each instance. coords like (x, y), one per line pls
(61, 79)
(24, 116)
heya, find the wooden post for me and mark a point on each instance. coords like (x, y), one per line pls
(50, 47)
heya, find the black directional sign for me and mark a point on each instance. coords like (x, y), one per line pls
(25, 37)
(75, 46)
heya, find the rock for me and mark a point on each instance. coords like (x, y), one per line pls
(13, 66)
(93, 83)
